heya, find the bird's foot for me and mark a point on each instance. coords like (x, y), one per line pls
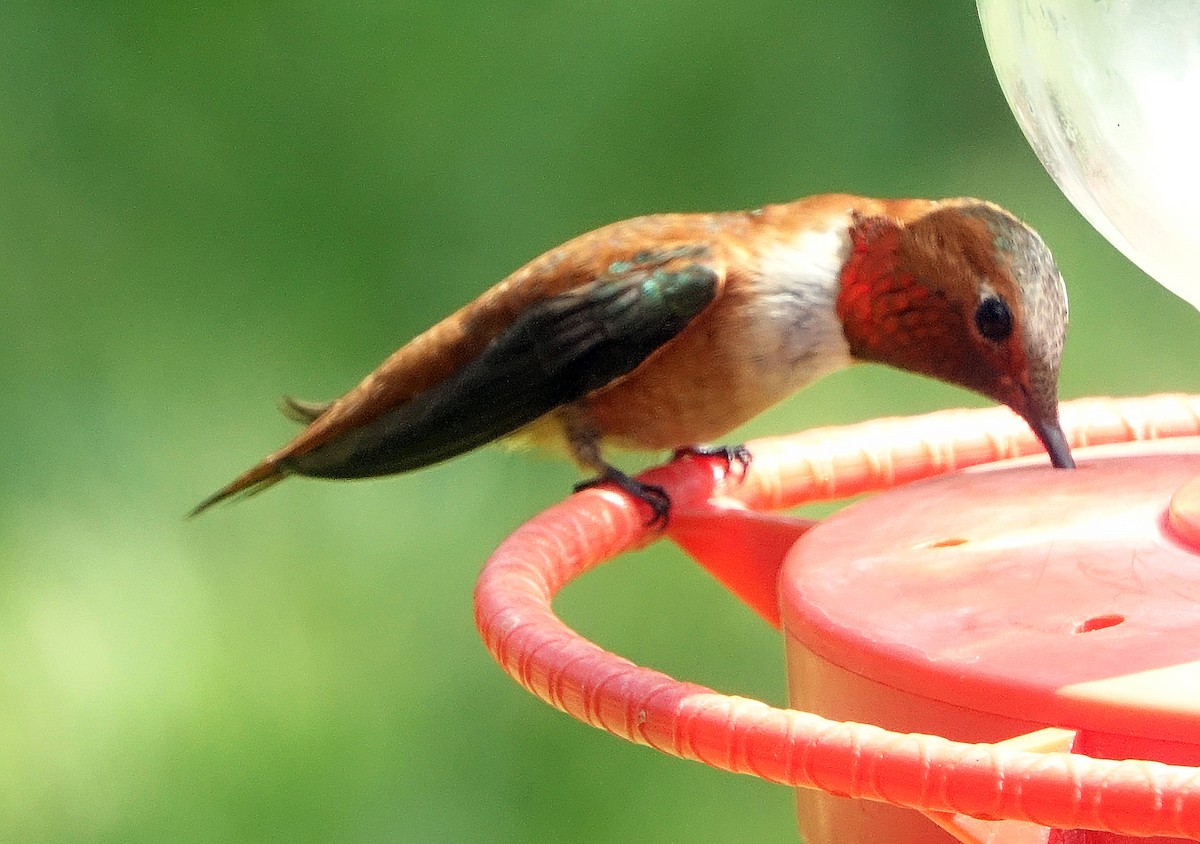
(652, 495)
(730, 454)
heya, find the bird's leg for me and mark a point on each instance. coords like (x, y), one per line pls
(729, 454)
(584, 441)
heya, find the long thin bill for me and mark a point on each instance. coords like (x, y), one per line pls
(1052, 437)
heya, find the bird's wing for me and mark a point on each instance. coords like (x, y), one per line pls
(557, 351)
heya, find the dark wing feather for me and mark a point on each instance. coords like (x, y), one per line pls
(560, 350)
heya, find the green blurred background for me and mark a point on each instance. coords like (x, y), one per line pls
(203, 207)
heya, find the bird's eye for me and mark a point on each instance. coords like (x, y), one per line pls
(993, 319)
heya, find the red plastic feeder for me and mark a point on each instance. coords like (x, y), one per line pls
(1006, 654)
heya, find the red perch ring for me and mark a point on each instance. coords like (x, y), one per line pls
(1012, 650)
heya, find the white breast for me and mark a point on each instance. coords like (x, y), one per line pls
(793, 334)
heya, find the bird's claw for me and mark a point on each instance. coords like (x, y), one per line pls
(729, 454)
(652, 495)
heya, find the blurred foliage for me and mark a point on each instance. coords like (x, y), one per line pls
(205, 205)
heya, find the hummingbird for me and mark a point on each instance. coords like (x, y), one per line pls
(666, 331)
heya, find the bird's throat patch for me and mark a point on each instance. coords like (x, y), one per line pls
(887, 314)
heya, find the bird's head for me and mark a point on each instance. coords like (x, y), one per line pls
(967, 293)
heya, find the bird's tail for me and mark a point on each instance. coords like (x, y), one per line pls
(304, 412)
(265, 474)
(269, 471)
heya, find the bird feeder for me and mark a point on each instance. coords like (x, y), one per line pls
(985, 650)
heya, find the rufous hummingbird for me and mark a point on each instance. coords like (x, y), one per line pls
(668, 331)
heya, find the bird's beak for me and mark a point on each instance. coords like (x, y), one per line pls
(1050, 432)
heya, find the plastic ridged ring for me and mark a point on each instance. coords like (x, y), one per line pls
(933, 774)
